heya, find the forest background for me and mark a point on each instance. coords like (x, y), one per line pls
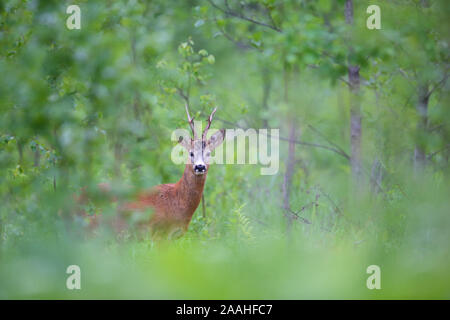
(364, 125)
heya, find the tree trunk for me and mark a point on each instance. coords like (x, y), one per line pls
(267, 84)
(287, 183)
(290, 162)
(422, 126)
(425, 3)
(37, 156)
(355, 124)
(118, 149)
(349, 12)
(355, 107)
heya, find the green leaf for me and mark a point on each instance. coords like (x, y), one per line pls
(203, 52)
(211, 59)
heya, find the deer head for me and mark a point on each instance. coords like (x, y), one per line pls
(199, 147)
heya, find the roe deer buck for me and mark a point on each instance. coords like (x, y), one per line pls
(173, 205)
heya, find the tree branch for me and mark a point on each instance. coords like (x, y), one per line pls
(431, 155)
(297, 217)
(326, 139)
(239, 44)
(304, 143)
(437, 85)
(239, 15)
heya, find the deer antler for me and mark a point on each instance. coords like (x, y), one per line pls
(208, 125)
(190, 120)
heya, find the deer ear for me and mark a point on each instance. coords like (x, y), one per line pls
(185, 142)
(216, 139)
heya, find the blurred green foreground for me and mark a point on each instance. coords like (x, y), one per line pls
(409, 242)
(99, 104)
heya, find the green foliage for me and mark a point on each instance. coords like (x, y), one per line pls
(80, 107)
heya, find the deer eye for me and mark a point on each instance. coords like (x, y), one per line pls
(191, 154)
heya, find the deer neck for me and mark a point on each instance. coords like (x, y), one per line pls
(190, 189)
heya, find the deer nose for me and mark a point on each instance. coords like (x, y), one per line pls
(199, 168)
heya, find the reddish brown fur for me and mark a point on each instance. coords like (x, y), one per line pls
(173, 205)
